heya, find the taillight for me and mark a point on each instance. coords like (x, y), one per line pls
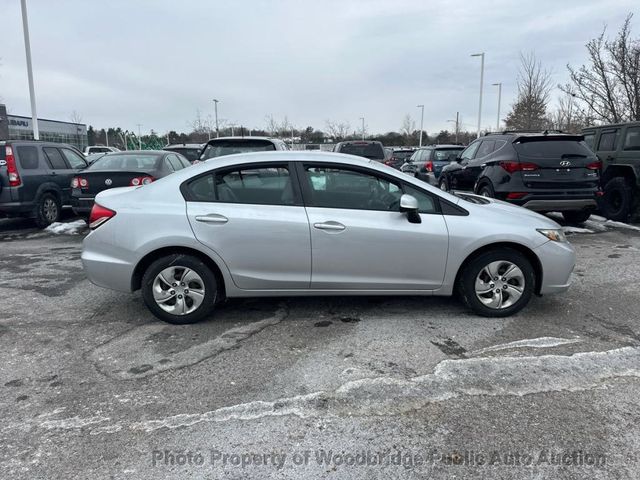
(99, 215)
(136, 181)
(513, 167)
(597, 165)
(79, 182)
(12, 169)
(515, 195)
(428, 166)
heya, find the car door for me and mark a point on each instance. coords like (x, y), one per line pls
(252, 216)
(464, 178)
(359, 238)
(608, 145)
(629, 148)
(59, 172)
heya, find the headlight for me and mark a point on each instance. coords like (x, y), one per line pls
(553, 235)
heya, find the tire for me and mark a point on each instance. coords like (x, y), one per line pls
(486, 190)
(443, 184)
(171, 268)
(48, 210)
(576, 216)
(617, 201)
(523, 279)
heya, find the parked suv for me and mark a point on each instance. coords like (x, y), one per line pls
(191, 151)
(35, 179)
(427, 163)
(362, 148)
(99, 149)
(618, 147)
(219, 147)
(542, 171)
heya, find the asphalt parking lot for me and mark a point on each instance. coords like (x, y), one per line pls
(92, 386)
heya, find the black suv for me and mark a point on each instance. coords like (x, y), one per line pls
(618, 147)
(35, 179)
(542, 171)
(362, 148)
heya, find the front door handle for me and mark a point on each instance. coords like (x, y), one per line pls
(212, 218)
(333, 226)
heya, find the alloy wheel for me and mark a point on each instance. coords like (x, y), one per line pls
(178, 290)
(50, 210)
(499, 284)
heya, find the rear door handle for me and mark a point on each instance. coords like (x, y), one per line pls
(333, 226)
(212, 218)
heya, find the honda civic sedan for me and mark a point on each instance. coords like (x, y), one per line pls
(312, 223)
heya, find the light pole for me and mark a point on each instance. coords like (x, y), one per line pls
(362, 118)
(499, 85)
(481, 55)
(421, 121)
(215, 103)
(27, 49)
(457, 122)
(139, 137)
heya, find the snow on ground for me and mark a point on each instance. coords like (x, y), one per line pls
(595, 224)
(67, 228)
(570, 230)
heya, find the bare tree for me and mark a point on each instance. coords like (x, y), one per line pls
(337, 130)
(408, 126)
(534, 90)
(75, 117)
(609, 85)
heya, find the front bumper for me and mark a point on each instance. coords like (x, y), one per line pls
(558, 259)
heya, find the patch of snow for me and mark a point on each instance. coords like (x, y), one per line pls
(571, 230)
(67, 228)
(614, 224)
(540, 342)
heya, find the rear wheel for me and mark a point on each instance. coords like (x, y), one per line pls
(486, 190)
(577, 216)
(48, 210)
(497, 283)
(443, 184)
(179, 289)
(617, 201)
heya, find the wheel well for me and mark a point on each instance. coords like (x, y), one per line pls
(149, 258)
(618, 171)
(527, 252)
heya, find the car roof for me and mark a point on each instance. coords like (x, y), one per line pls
(246, 137)
(609, 125)
(138, 152)
(183, 145)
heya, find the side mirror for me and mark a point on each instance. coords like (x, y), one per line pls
(409, 204)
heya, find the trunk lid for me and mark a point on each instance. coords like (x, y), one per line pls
(100, 180)
(556, 162)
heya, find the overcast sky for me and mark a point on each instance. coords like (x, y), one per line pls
(120, 63)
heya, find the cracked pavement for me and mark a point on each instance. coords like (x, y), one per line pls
(93, 386)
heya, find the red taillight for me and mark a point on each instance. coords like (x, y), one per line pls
(79, 182)
(513, 167)
(515, 195)
(99, 215)
(136, 181)
(597, 165)
(428, 166)
(12, 170)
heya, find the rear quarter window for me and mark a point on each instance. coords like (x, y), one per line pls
(631, 139)
(28, 156)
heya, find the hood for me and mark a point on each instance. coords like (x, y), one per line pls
(504, 208)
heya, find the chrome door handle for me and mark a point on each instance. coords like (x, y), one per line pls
(334, 226)
(212, 218)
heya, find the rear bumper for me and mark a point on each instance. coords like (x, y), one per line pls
(559, 205)
(82, 206)
(558, 261)
(428, 177)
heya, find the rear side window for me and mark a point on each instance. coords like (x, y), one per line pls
(74, 159)
(486, 148)
(28, 157)
(261, 186)
(589, 139)
(609, 140)
(175, 163)
(373, 151)
(545, 148)
(632, 139)
(55, 158)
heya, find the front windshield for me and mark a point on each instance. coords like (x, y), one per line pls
(219, 148)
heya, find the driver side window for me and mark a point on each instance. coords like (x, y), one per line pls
(337, 187)
(470, 151)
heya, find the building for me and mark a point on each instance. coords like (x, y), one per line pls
(17, 127)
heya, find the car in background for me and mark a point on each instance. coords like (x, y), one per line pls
(99, 149)
(362, 148)
(618, 147)
(426, 163)
(190, 151)
(399, 157)
(35, 179)
(220, 147)
(132, 168)
(303, 223)
(543, 171)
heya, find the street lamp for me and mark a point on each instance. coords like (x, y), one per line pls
(499, 85)
(27, 49)
(481, 55)
(362, 118)
(421, 121)
(215, 103)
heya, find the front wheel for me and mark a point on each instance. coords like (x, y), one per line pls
(487, 191)
(443, 184)
(179, 289)
(578, 216)
(497, 283)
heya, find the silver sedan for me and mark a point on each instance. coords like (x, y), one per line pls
(302, 223)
